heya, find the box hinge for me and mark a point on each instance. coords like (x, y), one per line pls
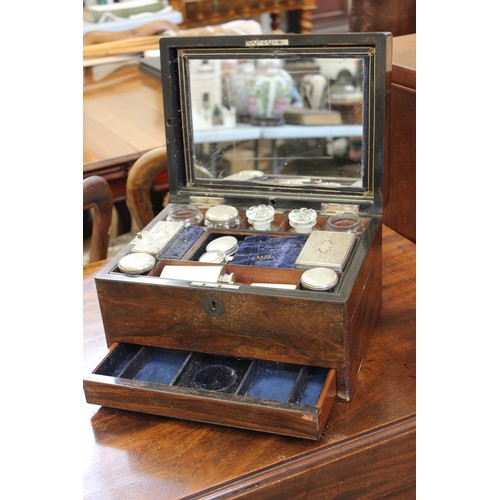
(206, 201)
(338, 208)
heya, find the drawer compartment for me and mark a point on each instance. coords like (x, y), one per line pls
(267, 396)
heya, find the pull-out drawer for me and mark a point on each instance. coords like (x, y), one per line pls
(267, 396)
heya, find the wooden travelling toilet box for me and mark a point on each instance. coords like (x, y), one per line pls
(249, 301)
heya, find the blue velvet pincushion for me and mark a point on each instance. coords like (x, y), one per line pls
(266, 251)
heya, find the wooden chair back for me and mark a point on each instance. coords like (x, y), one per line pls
(139, 181)
(98, 198)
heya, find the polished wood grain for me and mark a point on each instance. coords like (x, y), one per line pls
(395, 16)
(122, 119)
(324, 330)
(366, 451)
(97, 198)
(400, 211)
(404, 61)
(140, 181)
(288, 419)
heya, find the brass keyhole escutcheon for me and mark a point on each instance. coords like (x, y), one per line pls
(213, 306)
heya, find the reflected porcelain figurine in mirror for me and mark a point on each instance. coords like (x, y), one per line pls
(313, 89)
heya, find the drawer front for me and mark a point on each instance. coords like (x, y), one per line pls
(258, 395)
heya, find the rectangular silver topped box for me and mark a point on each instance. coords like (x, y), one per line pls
(326, 249)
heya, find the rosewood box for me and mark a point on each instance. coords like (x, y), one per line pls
(258, 311)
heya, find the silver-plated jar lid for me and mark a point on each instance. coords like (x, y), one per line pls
(303, 219)
(319, 278)
(221, 213)
(225, 244)
(260, 216)
(136, 263)
(222, 217)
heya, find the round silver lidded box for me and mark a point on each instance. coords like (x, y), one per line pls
(136, 263)
(222, 217)
(213, 257)
(319, 279)
(225, 244)
(220, 249)
(260, 217)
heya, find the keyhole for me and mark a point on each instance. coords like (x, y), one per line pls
(213, 306)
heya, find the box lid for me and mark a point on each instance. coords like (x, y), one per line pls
(285, 120)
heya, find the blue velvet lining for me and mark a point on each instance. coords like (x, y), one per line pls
(183, 243)
(119, 360)
(272, 383)
(161, 367)
(314, 385)
(265, 251)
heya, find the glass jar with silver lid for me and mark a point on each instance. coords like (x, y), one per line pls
(222, 217)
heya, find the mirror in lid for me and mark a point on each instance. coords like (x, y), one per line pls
(275, 115)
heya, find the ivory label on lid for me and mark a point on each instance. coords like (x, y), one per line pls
(265, 43)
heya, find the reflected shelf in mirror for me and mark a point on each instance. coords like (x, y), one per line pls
(275, 116)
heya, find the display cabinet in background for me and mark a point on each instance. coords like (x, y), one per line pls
(208, 12)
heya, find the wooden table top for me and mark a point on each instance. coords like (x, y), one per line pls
(367, 449)
(404, 60)
(122, 115)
